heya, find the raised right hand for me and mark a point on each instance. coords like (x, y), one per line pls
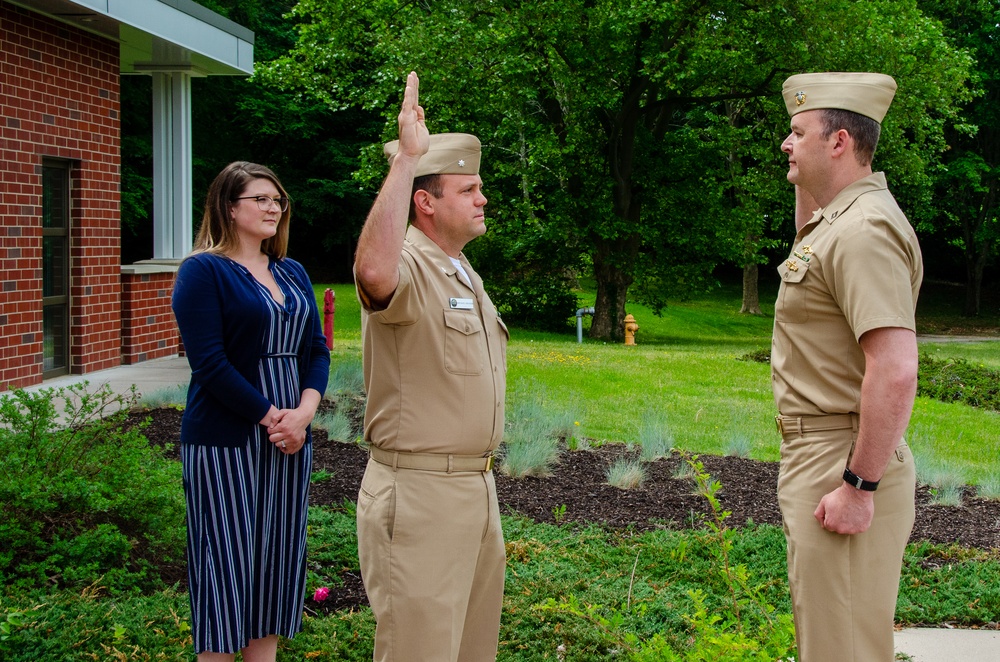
(414, 138)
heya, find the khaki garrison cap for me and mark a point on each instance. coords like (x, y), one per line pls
(862, 93)
(448, 154)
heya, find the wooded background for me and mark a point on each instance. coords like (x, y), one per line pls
(629, 144)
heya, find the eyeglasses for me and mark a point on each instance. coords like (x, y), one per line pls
(264, 202)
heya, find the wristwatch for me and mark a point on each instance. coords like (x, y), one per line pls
(858, 482)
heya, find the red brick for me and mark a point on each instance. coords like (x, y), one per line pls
(52, 106)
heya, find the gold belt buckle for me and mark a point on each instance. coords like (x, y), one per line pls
(489, 462)
(777, 424)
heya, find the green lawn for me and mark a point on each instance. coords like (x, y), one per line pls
(688, 367)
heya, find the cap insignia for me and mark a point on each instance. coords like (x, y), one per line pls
(461, 163)
(800, 98)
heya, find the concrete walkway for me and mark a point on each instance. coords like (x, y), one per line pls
(930, 337)
(948, 645)
(920, 644)
(148, 376)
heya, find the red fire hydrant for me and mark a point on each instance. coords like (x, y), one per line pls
(329, 311)
(630, 328)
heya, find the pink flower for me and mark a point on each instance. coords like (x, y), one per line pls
(321, 594)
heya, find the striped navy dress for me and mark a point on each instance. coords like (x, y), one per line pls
(247, 507)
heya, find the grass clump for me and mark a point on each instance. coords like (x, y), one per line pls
(944, 481)
(528, 451)
(346, 377)
(169, 396)
(655, 436)
(989, 487)
(530, 445)
(84, 499)
(337, 425)
(739, 446)
(626, 474)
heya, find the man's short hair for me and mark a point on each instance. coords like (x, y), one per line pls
(864, 130)
(433, 184)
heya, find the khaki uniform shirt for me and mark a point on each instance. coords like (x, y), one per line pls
(435, 359)
(856, 266)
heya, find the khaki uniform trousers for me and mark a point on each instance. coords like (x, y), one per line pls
(844, 588)
(432, 560)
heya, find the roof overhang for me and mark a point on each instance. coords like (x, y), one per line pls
(159, 35)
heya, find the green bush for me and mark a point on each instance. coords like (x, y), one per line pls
(957, 380)
(947, 380)
(536, 300)
(84, 498)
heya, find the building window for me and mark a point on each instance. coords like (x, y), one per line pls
(55, 268)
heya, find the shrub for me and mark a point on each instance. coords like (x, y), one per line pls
(957, 380)
(947, 380)
(541, 301)
(529, 285)
(83, 499)
(757, 356)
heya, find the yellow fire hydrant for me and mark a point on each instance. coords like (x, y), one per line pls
(630, 328)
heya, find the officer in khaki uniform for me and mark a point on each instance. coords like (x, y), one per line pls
(429, 539)
(844, 372)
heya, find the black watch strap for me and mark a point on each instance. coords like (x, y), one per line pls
(858, 482)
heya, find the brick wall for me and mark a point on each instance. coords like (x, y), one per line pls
(148, 327)
(59, 98)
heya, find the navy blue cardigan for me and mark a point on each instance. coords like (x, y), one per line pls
(222, 320)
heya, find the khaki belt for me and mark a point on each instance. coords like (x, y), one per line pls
(432, 461)
(802, 424)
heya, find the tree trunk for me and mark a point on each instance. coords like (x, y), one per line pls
(612, 287)
(978, 252)
(973, 286)
(751, 296)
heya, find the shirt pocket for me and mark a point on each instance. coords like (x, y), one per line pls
(463, 343)
(792, 306)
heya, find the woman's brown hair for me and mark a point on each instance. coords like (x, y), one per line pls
(218, 233)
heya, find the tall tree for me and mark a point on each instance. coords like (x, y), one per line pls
(969, 182)
(630, 131)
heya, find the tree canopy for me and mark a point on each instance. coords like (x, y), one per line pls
(638, 139)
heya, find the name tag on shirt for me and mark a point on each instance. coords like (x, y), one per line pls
(460, 304)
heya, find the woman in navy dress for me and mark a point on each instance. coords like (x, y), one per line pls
(259, 366)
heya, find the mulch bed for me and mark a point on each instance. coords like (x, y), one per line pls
(577, 491)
